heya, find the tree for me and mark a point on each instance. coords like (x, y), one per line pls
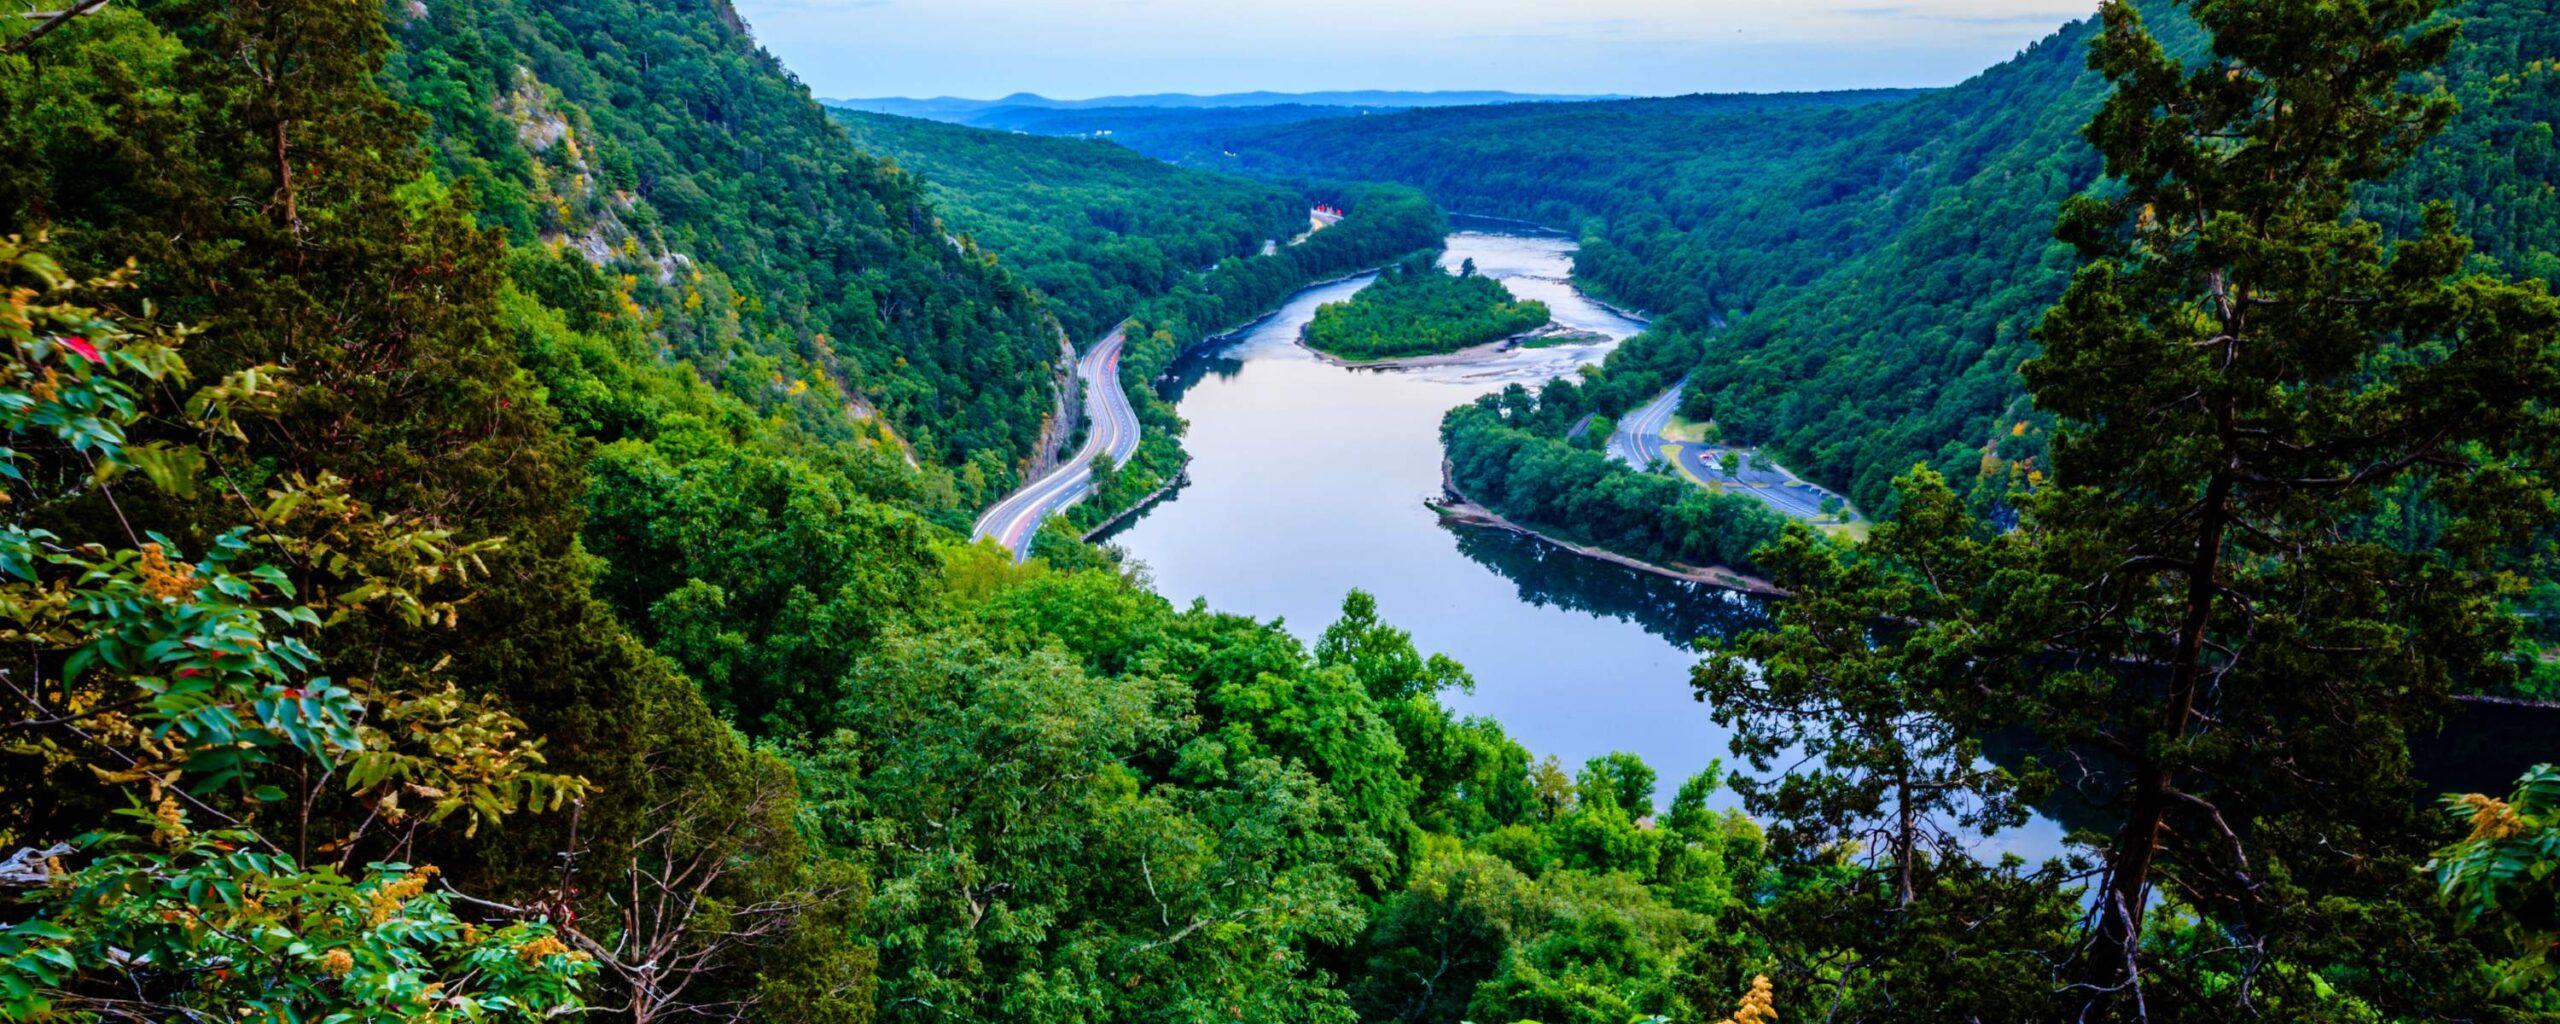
(2242, 368)
(1435, 942)
(1619, 779)
(2197, 611)
(1874, 692)
(2500, 876)
(1105, 472)
(1879, 669)
(245, 862)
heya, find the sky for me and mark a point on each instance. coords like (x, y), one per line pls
(1075, 49)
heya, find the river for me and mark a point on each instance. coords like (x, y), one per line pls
(1308, 480)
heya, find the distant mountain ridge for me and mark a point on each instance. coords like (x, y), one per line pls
(957, 109)
(1852, 285)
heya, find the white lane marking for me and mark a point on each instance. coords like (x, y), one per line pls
(1013, 519)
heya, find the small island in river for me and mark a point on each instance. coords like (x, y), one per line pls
(1416, 312)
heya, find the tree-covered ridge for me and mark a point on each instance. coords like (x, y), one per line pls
(1555, 163)
(1880, 266)
(803, 756)
(1415, 308)
(785, 265)
(1094, 227)
(1909, 353)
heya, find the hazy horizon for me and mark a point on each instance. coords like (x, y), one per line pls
(985, 49)
(1140, 93)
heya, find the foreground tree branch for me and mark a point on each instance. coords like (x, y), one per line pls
(46, 22)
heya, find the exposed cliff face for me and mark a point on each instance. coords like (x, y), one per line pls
(751, 238)
(1059, 428)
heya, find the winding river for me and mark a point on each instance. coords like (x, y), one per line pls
(1308, 480)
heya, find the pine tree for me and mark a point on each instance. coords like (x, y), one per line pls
(2202, 613)
(2243, 369)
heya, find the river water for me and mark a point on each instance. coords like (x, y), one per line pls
(1308, 480)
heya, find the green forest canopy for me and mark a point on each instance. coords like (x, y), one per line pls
(410, 580)
(787, 267)
(1850, 284)
(1091, 225)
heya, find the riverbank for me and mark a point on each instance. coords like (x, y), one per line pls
(1305, 483)
(1545, 335)
(1455, 507)
(1180, 477)
(1211, 341)
(1636, 315)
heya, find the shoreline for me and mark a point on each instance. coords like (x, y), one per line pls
(1457, 215)
(1454, 506)
(1460, 357)
(1143, 503)
(1180, 477)
(1210, 342)
(1638, 316)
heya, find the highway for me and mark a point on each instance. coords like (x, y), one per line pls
(1639, 442)
(1111, 428)
(1317, 220)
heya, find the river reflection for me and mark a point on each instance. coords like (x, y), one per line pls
(1679, 611)
(1308, 480)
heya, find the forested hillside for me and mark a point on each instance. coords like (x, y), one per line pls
(1910, 352)
(1556, 163)
(449, 573)
(788, 267)
(407, 626)
(1853, 288)
(1150, 129)
(1091, 225)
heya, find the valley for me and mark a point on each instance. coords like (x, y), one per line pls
(515, 510)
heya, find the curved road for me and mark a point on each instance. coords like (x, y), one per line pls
(1112, 429)
(1639, 442)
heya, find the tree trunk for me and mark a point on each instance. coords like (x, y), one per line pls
(1904, 842)
(2112, 955)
